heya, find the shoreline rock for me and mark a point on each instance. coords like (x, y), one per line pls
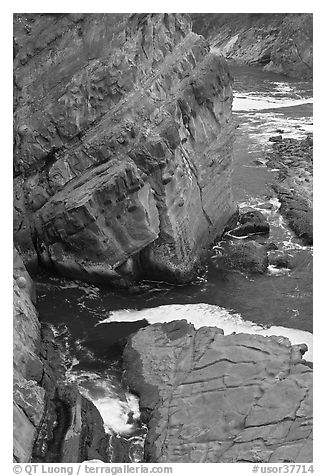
(294, 184)
(53, 422)
(212, 398)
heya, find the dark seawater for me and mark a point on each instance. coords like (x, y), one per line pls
(263, 103)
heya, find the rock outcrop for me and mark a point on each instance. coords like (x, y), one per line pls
(248, 256)
(123, 145)
(52, 421)
(294, 184)
(207, 397)
(281, 43)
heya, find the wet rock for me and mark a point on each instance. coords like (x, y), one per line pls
(258, 162)
(266, 206)
(212, 398)
(294, 184)
(52, 422)
(247, 256)
(278, 138)
(280, 259)
(114, 156)
(271, 246)
(250, 222)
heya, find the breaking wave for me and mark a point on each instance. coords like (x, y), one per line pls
(202, 314)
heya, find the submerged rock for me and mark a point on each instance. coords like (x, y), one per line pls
(123, 145)
(212, 398)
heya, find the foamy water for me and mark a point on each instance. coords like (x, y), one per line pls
(259, 103)
(203, 314)
(114, 405)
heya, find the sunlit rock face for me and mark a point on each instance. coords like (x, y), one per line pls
(123, 145)
(213, 398)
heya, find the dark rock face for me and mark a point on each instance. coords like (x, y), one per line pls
(294, 184)
(250, 222)
(123, 145)
(212, 398)
(52, 421)
(281, 43)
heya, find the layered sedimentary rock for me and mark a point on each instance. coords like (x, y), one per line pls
(52, 422)
(123, 144)
(207, 397)
(282, 43)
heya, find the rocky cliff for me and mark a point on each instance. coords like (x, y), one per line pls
(52, 421)
(212, 398)
(123, 145)
(280, 42)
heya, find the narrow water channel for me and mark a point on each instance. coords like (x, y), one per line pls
(93, 322)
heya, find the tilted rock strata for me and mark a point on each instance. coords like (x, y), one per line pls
(52, 422)
(214, 398)
(282, 43)
(123, 144)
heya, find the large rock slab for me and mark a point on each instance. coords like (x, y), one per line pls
(123, 145)
(207, 397)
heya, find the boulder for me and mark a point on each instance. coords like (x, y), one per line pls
(210, 398)
(250, 223)
(278, 138)
(248, 256)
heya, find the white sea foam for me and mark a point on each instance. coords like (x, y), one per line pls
(282, 87)
(259, 103)
(114, 404)
(202, 314)
(275, 271)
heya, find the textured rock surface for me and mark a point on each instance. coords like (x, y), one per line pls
(214, 398)
(123, 144)
(248, 256)
(52, 422)
(250, 222)
(282, 43)
(294, 185)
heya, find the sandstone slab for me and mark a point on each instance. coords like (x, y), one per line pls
(207, 397)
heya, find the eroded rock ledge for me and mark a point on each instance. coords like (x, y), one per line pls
(207, 397)
(52, 421)
(123, 144)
